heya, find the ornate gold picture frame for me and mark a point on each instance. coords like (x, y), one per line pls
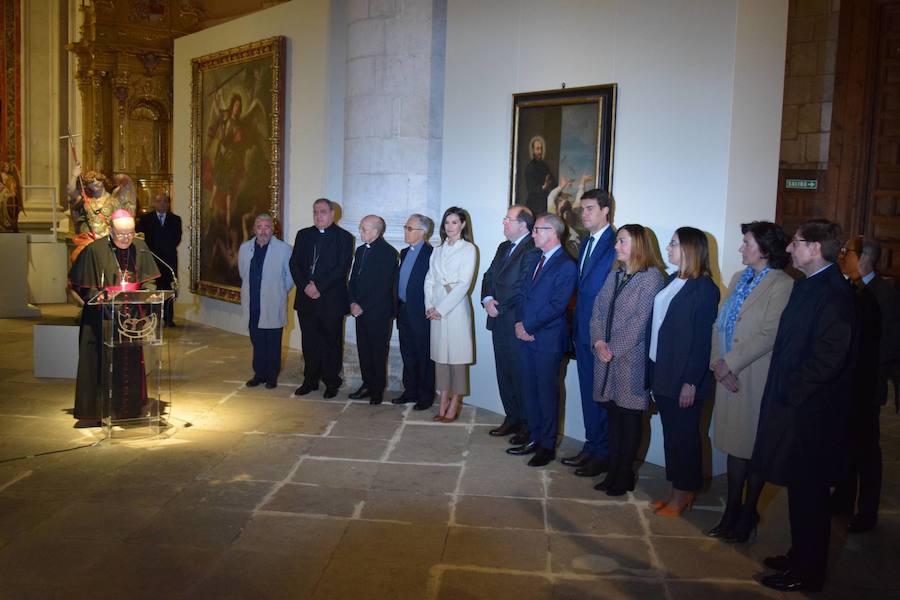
(237, 120)
(562, 140)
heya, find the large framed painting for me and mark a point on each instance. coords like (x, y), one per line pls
(562, 143)
(237, 120)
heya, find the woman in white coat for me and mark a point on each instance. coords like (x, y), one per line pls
(448, 306)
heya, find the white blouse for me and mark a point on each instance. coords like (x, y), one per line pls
(660, 308)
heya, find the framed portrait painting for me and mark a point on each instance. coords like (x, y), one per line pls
(237, 121)
(562, 145)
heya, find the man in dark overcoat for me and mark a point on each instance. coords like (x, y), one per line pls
(501, 293)
(801, 437)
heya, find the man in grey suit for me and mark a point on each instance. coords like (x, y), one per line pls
(500, 295)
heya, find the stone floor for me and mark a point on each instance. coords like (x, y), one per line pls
(254, 493)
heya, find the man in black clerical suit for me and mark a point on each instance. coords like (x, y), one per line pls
(162, 232)
(538, 178)
(801, 438)
(412, 325)
(320, 264)
(501, 293)
(372, 304)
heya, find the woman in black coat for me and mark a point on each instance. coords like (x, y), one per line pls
(679, 377)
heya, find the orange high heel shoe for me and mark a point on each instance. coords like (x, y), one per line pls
(658, 504)
(673, 510)
(448, 419)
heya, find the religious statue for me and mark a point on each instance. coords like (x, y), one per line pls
(10, 198)
(90, 204)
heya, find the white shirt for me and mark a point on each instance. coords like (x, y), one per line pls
(660, 308)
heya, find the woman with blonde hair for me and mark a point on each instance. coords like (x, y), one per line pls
(622, 310)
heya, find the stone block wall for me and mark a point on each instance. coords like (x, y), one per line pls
(809, 83)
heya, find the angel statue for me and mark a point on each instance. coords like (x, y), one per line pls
(10, 197)
(91, 205)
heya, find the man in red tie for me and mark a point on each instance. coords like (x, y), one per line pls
(543, 335)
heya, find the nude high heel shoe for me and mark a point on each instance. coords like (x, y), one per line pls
(674, 510)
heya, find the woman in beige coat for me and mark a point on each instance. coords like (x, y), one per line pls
(742, 341)
(447, 284)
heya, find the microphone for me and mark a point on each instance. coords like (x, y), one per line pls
(171, 270)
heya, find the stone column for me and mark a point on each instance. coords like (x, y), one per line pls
(393, 132)
(395, 98)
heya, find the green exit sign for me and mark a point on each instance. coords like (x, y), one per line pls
(801, 184)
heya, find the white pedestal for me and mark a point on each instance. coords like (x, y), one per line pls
(56, 351)
(47, 269)
(14, 277)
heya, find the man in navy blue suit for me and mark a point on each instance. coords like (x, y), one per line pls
(162, 232)
(595, 257)
(544, 336)
(412, 325)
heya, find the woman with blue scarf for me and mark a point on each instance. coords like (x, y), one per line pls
(742, 340)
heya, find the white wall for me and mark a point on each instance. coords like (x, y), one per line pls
(313, 134)
(699, 111)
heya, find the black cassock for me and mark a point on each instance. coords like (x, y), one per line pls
(101, 264)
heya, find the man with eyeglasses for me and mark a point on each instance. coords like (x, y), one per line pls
(543, 335)
(412, 325)
(801, 437)
(113, 263)
(501, 293)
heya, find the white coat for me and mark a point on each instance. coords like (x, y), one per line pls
(276, 283)
(451, 335)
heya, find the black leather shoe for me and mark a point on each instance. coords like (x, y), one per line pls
(362, 392)
(542, 458)
(787, 582)
(506, 428)
(87, 423)
(330, 392)
(520, 438)
(271, 385)
(421, 406)
(778, 563)
(305, 389)
(605, 484)
(862, 523)
(255, 381)
(529, 448)
(375, 399)
(594, 467)
(579, 460)
(403, 399)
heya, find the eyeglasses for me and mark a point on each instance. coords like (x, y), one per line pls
(845, 251)
(124, 236)
(408, 228)
(543, 228)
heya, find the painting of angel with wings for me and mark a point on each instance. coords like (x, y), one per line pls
(237, 128)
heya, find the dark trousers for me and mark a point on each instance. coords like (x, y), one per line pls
(595, 426)
(863, 469)
(808, 510)
(266, 350)
(164, 282)
(624, 440)
(322, 342)
(509, 379)
(415, 349)
(682, 443)
(373, 336)
(540, 389)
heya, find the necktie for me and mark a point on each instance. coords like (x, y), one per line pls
(587, 254)
(539, 267)
(362, 259)
(509, 252)
(162, 219)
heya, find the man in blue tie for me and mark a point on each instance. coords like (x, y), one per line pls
(595, 258)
